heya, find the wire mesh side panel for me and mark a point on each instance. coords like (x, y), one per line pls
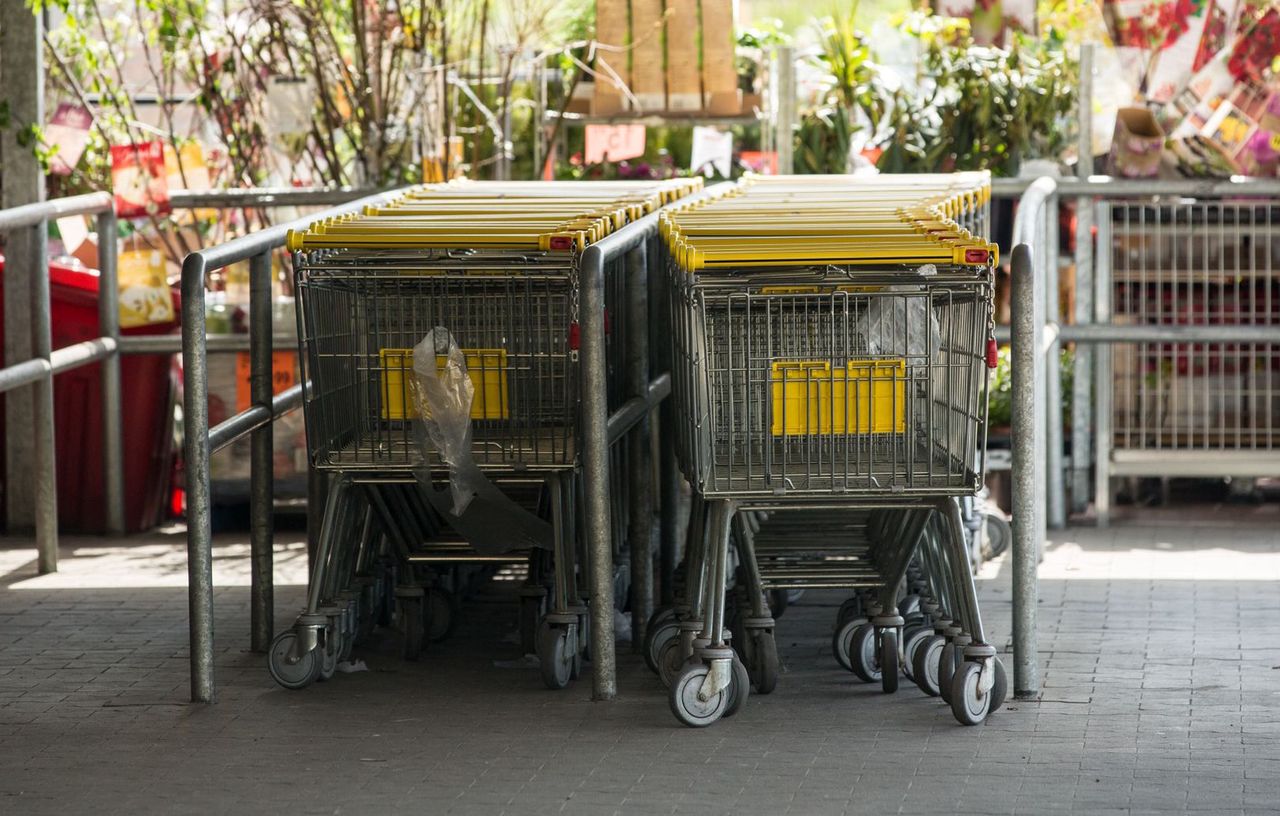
(1196, 262)
(511, 316)
(833, 391)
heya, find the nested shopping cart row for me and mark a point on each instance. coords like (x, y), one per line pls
(440, 340)
(831, 342)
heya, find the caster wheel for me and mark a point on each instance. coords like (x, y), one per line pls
(794, 596)
(946, 671)
(912, 638)
(739, 687)
(889, 660)
(329, 658)
(849, 610)
(348, 643)
(863, 660)
(840, 642)
(531, 611)
(657, 639)
(670, 661)
(292, 675)
(660, 616)
(413, 625)
(766, 661)
(998, 535)
(778, 602)
(684, 700)
(925, 662)
(970, 705)
(442, 614)
(554, 656)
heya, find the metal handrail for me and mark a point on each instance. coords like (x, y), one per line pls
(107, 348)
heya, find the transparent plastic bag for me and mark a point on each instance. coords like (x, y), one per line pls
(489, 519)
(901, 326)
(443, 397)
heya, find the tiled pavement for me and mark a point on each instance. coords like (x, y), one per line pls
(1160, 646)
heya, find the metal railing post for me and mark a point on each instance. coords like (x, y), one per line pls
(1103, 383)
(112, 421)
(595, 467)
(1082, 378)
(261, 468)
(1026, 341)
(46, 470)
(195, 420)
(1055, 470)
(639, 458)
(784, 87)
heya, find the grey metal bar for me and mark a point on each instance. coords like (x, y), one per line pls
(1055, 473)
(81, 354)
(45, 464)
(1082, 378)
(784, 86)
(1108, 187)
(233, 428)
(1102, 371)
(595, 466)
(1182, 333)
(112, 420)
(261, 468)
(195, 417)
(639, 459)
(268, 197)
(29, 215)
(1025, 352)
(636, 409)
(16, 376)
(215, 343)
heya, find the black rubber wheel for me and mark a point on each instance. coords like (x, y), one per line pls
(998, 535)
(656, 639)
(684, 702)
(889, 660)
(531, 611)
(970, 707)
(767, 664)
(840, 642)
(554, 660)
(925, 664)
(442, 614)
(293, 676)
(778, 602)
(739, 687)
(413, 626)
(863, 660)
(946, 671)
(851, 609)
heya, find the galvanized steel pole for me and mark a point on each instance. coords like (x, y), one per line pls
(1025, 348)
(1082, 379)
(784, 87)
(261, 472)
(639, 458)
(595, 467)
(195, 420)
(112, 421)
(21, 65)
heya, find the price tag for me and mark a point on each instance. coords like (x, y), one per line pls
(284, 375)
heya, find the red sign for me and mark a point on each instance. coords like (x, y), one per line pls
(139, 179)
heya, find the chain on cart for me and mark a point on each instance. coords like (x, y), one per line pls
(832, 337)
(439, 338)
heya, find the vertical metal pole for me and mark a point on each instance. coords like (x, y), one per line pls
(195, 420)
(46, 471)
(1025, 342)
(595, 467)
(112, 422)
(261, 464)
(664, 429)
(639, 460)
(21, 66)
(1055, 472)
(1082, 379)
(1103, 385)
(784, 79)
(539, 116)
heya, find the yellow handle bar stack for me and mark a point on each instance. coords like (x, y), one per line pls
(549, 216)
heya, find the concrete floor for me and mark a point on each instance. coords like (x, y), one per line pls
(1161, 694)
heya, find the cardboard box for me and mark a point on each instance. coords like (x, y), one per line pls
(1138, 144)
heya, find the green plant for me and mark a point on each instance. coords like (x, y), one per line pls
(1000, 388)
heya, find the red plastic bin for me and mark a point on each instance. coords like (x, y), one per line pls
(149, 386)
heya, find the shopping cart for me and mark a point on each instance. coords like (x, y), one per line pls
(831, 338)
(476, 283)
